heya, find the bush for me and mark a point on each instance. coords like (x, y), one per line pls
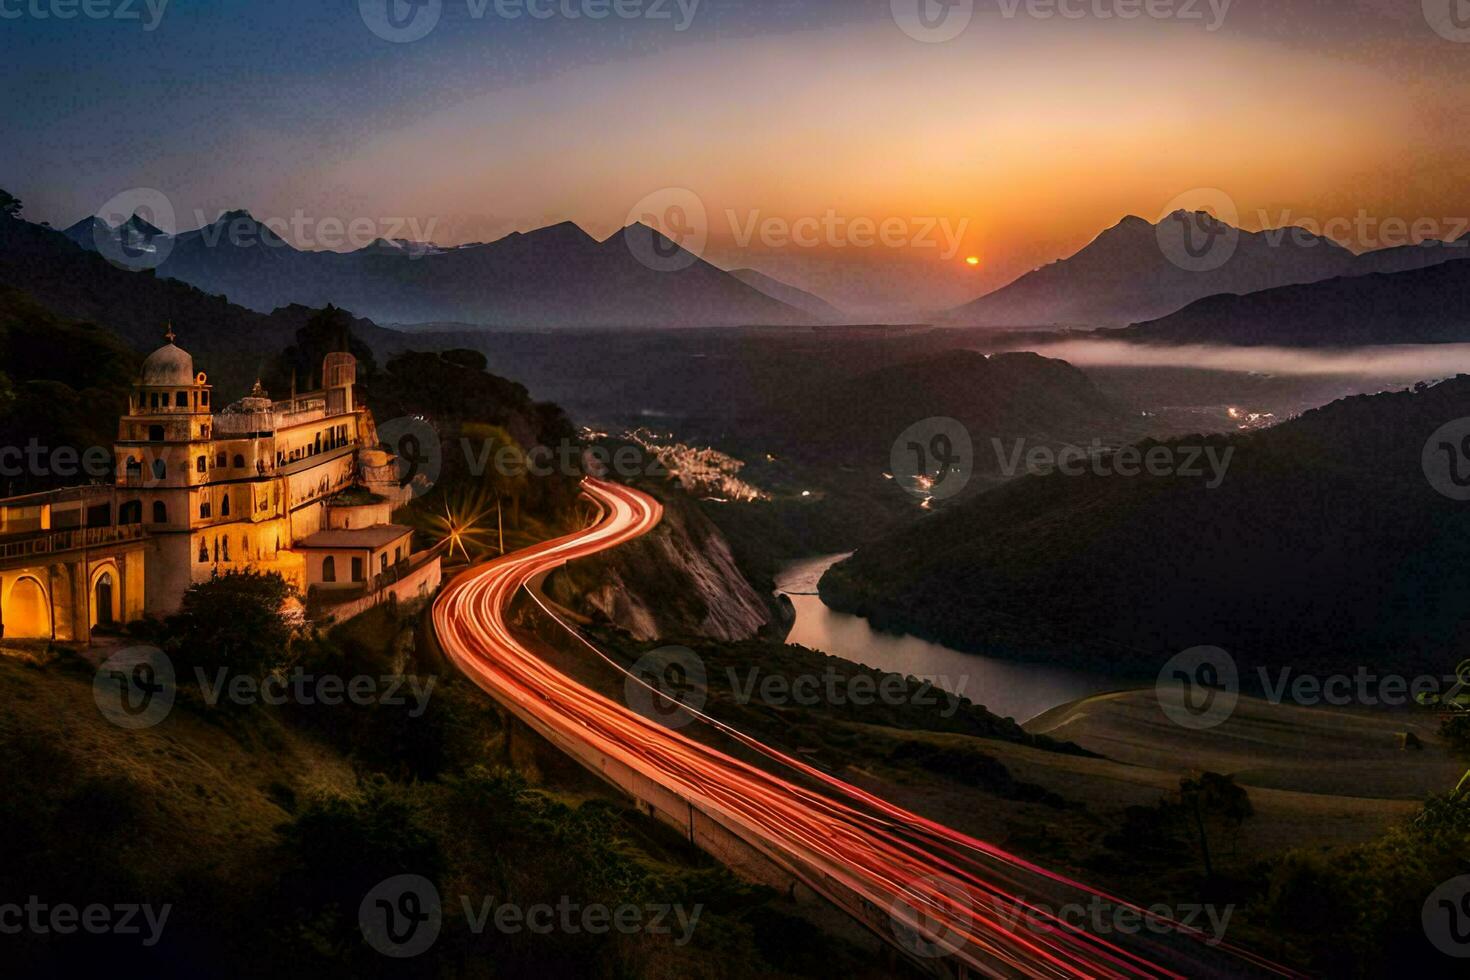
(1357, 913)
(336, 850)
(1455, 730)
(242, 623)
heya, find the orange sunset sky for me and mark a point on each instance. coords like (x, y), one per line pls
(1028, 135)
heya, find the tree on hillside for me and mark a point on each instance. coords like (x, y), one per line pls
(1214, 799)
(243, 622)
(10, 205)
(506, 474)
(328, 330)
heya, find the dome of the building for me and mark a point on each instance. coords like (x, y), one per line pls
(169, 365)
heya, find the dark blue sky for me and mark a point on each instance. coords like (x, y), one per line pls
(92, 105)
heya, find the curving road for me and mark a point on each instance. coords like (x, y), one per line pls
(949, 902)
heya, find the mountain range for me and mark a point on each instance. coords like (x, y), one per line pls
(1129, 274)
(1282, 286)
(557, 276)
(231, 343)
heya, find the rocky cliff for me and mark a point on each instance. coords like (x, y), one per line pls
(680, 580)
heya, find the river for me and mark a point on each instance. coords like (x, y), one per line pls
(1020, 691)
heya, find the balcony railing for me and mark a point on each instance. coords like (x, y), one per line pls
(75, 539)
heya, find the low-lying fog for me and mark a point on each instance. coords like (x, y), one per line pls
(1417, 362)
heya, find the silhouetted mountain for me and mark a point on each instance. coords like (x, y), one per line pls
(550, 277)
(139, 226)
(86, 232)
(230, 342)
(1323, 542)
(1402, 258)
(1011, 397)
(790, 295)
(1133, 272)
(1125, 275)
(1428, 305)
(401, 247)
(136, 232)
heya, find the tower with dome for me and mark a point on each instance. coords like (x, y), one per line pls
(296, 486)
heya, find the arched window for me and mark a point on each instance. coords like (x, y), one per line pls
(201, 464)
(160, 469)
(130, 512)
(203, 552)
(160, 512)
(239, 461)
(329, 568)
(204, 508)
(221, 461)
(224, 506)
(133, 467)
(226, 542)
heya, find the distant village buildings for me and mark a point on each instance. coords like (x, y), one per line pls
(295, 486)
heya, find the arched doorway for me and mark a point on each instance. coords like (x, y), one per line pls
(25, 616)
(103, 596)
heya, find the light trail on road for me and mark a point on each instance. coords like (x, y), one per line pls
(951, 899)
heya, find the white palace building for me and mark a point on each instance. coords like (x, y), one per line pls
(294, 486)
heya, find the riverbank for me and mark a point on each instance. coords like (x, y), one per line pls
(1008, 688)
